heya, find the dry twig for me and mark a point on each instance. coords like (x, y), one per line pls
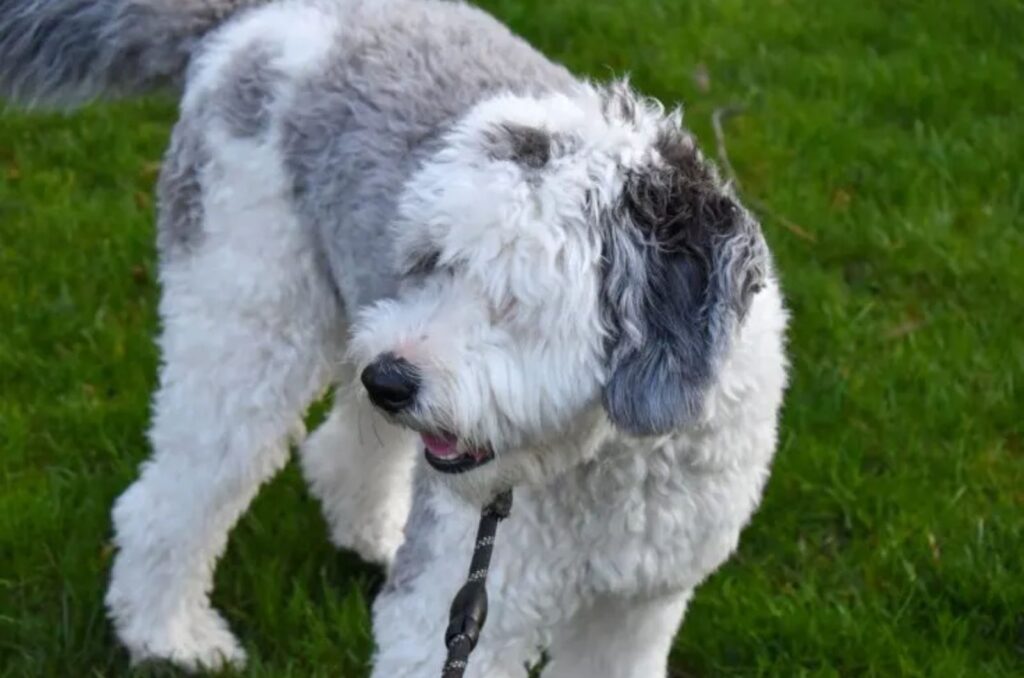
(718, 118)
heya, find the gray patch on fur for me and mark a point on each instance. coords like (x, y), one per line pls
(399, 77)
(423, 263)
(245, 99)
(66, 52)
(413, 554)
(180, 191)
(527, 146)
(682, 261)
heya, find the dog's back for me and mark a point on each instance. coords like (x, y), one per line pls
(350, 94)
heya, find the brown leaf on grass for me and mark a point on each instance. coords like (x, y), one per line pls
(841, 199)
(139, 274)
(150, 169)
(908, 325)
(142, 200)
(702, 78)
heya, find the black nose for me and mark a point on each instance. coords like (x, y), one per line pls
(392, 383)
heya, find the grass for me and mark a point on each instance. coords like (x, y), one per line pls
(883, 141)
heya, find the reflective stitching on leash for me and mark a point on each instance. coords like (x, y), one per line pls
(469, 608)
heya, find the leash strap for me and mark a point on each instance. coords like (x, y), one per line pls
(469, 607)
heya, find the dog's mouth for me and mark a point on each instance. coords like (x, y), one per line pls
(444, 453)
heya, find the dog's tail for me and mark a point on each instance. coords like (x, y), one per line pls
(66, 52)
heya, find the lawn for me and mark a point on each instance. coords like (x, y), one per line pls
(883, 144)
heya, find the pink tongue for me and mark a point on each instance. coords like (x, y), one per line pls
(440, 446)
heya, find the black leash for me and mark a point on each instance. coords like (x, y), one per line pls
(469, 607)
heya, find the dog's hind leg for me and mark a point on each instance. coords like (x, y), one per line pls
(252, 332)
(360, 467)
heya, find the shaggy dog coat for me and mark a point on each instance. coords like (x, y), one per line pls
(540, 283)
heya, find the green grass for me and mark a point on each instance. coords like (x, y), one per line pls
(884, 139)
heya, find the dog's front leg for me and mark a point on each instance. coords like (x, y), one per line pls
(252, 333)
(232, 393)
(618, 637)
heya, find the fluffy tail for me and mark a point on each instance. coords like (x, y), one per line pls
(66, 52)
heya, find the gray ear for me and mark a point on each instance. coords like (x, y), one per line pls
(683, 260)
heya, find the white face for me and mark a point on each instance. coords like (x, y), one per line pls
(498, 318)
(557, 259)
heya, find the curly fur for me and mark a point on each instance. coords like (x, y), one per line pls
(572, 282)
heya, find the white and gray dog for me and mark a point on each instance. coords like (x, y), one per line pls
(540, 282)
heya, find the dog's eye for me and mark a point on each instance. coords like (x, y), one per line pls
(423, 263)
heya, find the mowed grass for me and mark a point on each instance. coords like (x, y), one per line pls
(882, 142)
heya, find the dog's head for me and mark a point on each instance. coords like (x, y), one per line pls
(568, 262)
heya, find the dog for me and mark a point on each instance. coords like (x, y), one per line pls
(513, 278)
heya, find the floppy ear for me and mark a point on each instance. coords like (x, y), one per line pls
(682, 262)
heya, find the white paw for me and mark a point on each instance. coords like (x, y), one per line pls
(376, 541)
(197, 640)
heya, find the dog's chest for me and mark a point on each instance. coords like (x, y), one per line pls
(633, 524)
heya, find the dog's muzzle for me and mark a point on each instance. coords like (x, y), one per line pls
(444, 453)
(391, 382)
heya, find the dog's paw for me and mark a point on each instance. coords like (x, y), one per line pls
(376, 541)
(197, 641)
